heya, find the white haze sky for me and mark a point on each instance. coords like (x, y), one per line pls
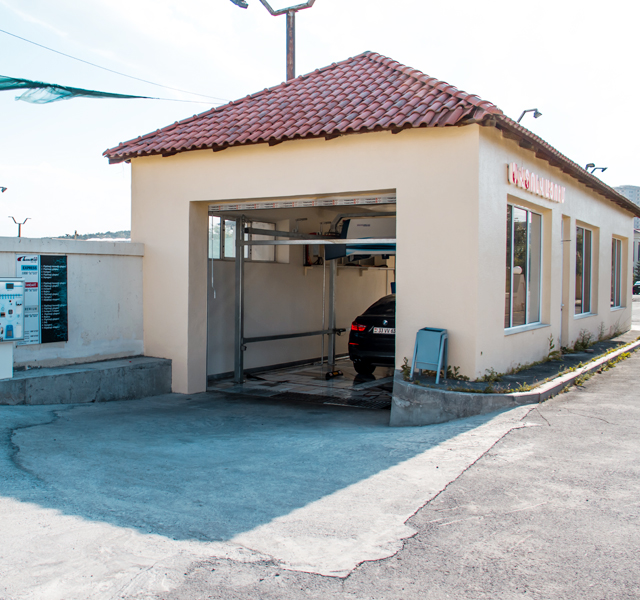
(574, 60)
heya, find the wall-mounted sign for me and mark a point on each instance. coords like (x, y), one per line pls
(53, 299)
(532, 182)
(45, 303)
(28, 268)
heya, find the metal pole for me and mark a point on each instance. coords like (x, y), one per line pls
(324, 298)
(333, 271)
(239, 312)
(291, 44)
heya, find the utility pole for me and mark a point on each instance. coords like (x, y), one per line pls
(290, 11)
(20, 225)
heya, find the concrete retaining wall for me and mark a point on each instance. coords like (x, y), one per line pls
(123, 379)
(417, 405)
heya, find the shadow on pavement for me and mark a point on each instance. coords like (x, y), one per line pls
(205, 467)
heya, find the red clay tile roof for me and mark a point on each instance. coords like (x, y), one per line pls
(365, 93)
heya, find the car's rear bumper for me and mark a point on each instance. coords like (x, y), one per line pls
(382, 359)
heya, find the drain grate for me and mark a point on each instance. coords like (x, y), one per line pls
(380, 401)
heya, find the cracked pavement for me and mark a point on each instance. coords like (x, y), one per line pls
(202, 497)
(550, 511)
(121, 499)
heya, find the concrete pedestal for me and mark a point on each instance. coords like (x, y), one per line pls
(6, 360)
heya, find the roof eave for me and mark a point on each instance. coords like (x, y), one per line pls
(509, 129)
(526, 139)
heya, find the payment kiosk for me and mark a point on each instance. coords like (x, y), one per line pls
(11, 321)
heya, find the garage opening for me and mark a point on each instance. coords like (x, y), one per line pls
(288, 280)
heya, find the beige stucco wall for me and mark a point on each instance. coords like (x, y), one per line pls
(104, 286)
(433, 173)
(451, 189)
(495, 349)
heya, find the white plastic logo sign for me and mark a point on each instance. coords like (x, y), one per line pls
(530, 181)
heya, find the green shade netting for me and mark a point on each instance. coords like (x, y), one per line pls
(38, 92)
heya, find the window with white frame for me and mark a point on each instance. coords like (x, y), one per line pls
(616, 273)
(222, 240)
(523, 268)
(584, 242)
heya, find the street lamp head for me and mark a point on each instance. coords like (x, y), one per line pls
(279, 11)
(535, 111)
(590, 166)
(3, 189)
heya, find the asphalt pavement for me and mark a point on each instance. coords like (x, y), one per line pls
(550, 511)
(219, 496)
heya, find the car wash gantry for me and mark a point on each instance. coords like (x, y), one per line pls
(336, 245)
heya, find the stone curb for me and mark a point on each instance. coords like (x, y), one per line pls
(415, 405)
(551, 388)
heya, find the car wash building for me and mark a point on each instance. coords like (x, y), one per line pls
(270, 223)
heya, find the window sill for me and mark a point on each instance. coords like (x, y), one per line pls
(585, 315)
(523, 328)
(616, 308)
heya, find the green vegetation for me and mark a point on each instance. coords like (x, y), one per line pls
(108, 235)
(585, 340)
(452, 372)
(492, 377)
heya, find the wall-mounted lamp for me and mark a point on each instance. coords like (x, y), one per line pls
(3, 189)
(591, 167)
(535, 111)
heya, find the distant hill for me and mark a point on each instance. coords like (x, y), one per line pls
(109, 235)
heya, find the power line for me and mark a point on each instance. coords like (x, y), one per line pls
(116, 72)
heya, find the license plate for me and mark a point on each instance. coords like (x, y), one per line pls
(384, 330)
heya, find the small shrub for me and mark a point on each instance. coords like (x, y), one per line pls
(584, 341)
(406, 369)
(523, 387)
(454, 373)
(580, 381)
(490, 375)
(616, 329)
(553, 354)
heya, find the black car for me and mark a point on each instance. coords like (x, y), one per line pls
(372, 340)
(636, 288)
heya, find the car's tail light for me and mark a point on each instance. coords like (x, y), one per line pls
(357, 327)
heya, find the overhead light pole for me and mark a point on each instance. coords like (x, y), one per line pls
(20, 225)
(290, 11)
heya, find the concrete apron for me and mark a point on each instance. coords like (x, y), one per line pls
(119, 499)
(419, 405)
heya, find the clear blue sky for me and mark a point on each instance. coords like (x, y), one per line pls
(574, 61)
